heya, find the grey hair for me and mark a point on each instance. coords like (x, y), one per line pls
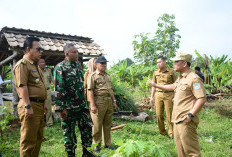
(67, 46)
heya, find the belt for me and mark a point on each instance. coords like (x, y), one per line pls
(36, 100)
(165, 91)
(103, 97)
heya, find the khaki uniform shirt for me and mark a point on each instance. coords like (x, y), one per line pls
(26, 73)
(164, 78)
(47, 77)
(188, 88)
(100, 84)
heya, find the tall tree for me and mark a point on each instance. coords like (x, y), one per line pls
(165, 42)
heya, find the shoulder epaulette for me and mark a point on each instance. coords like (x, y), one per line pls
(23, 61)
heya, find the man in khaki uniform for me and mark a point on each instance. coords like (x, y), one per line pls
(32, 92)
(163, 98)
(102, 103)
(48, 79)
(188, 100)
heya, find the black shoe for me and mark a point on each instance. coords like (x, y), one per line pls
(96, 149)
(110, 147)
(71, 154)
(87, 153)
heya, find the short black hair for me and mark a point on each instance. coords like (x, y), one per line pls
(29, 42)
(67, 46)
(198, 68)
(162, 58)
(189, 64)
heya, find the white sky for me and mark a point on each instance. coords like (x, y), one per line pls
(204, 25)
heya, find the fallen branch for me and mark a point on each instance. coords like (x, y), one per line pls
(118, 127)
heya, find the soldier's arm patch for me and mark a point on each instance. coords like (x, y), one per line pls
(197, 86)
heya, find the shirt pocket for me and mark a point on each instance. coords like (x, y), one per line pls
(100, 82)
(185, 90)
(34, 78)
(168, 78)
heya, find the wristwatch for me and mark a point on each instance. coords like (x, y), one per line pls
(114, 100)
(28, 106)
(190, 115)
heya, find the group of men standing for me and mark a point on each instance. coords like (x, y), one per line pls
(187, 93)
(32, 82)
(70, 101)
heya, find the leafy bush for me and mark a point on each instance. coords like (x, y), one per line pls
(138, 148)
(5, 118)
(121, 92)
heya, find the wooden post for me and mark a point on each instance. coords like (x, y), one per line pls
(8, 59)
(15, 99)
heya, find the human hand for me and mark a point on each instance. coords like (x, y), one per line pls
(94, 109)
(114, 105)
(151, 83)
(29, 113)
(45, 109)
(187, 119)
(152, 103)
(63, 114)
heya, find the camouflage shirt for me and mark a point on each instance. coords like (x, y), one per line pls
(69, 87)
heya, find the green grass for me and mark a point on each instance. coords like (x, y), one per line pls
(213, 123)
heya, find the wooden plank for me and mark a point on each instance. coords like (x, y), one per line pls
(118, 127)
(8, 59)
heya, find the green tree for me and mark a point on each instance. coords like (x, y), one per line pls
(165, 42)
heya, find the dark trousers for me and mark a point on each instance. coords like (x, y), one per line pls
(82, 117)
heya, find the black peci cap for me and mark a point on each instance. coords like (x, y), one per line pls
(101, 59)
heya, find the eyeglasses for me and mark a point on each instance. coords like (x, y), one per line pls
(40, 49)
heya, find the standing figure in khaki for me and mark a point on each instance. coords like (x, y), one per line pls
(102, 102)
(30, 86)
(163, 98)
(48, 79)
(91, 69)
(188, 100)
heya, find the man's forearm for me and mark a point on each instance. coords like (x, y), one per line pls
(112, 97)
(91, 98)
(23, 90)
(169, 87)
(198, 105)
(153, 92)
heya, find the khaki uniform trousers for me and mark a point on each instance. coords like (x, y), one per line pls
(186, 139)
(102, 120)
(48, 101)
(164, 99)
(31, 129)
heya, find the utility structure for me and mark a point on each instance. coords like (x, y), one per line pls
(11, 49)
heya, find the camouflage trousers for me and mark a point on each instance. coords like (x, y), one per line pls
(83, 119)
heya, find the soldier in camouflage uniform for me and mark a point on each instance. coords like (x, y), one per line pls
(71, 103)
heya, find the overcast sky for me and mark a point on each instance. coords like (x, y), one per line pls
(205, 25)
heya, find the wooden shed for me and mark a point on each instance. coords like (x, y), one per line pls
(12, 39)
(11, 49)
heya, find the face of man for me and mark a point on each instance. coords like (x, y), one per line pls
(179, 65)
(35, 52)
(161, 63)
(42, 64)
(72, 54)
(101, 67)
